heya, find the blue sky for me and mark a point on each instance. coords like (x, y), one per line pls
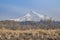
(18, 8)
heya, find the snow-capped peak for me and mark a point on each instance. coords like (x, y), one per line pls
(31, 17)
(28, 15)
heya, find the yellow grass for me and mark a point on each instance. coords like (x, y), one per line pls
(39, 31)
(41, 34)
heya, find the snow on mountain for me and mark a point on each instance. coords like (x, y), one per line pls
(39, 15)
(32, 16)
(27, 17)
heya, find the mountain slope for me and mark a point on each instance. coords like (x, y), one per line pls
(32, 16)
(29, 25)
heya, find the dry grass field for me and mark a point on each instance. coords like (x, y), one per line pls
(11, 30)
(37, 34)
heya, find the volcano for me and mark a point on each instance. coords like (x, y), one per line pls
(32, 16)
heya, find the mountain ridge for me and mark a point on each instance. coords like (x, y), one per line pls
(32, 16)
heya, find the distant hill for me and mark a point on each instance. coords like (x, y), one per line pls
(29, 25)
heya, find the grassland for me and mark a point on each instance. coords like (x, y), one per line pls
(37, 34)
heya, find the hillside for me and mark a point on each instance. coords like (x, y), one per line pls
(29, 30)
(29, 25)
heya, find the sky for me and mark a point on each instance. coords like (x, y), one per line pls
(18, 8)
